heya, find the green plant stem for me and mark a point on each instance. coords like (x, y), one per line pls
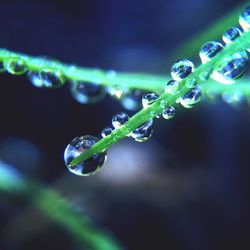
(241, 43)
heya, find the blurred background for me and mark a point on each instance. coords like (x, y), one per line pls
(187, 188)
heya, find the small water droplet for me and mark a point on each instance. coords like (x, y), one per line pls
(190, 83)
(117, 92)
(172, 87)
(191, 98)
(245, 19)
(182, 69)
(15, 66)
(131, 100)
(106, 131)
(110, 74)
(209, 50)
(144, 132)
(2, 68)
(46, 78)
(163, 103)
(204, 76)
(235, 98)
(231, 34)
(78, 146)
(231, 68)
(168, 113)
(87, 92)
(119, 119)
(148, 99)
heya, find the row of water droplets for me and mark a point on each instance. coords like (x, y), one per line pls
(226, 72)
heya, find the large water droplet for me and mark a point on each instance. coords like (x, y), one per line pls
(106, 131)
(209, 50)
(148, 99)
(191, 98)
(172, 87)
(245, 19)
(231, 68)
(182, 69)
(87, 92)
(119, 119)
(15, 66)
(144, 132)
(168, 113)
(46, 78)
(78, 146)
(231, 34)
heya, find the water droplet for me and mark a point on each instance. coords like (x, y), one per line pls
(144, 132)
(231, 34)
(182, 69)
(172, 87)
(209, 50)
(190, 83)
(245, 19)
(2, 69)
(87, 92)
(191, 98)
(230, 68)
(235, 98)
(204, 76)
(78, 146)
(168, 113)
(119, 119)
(117, 92)
(106, 131)
(148, 99)
(131, 100)
(163, 103)
(46, 79)
(15, 66)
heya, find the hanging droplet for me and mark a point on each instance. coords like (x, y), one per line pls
(131, 100)
(78, 146)
(231, 34)
(87, 92)
(230, 68)
(106, 131)
(235, 98)
(119, 119)
(182, 69)
(209, 50)
(15, 66)
(148, 99)
(2, 68)
(168, 113)
(172, 87)
(144, 132)
(46, 78)
(116, 92)
(191, 98)
(245, 19)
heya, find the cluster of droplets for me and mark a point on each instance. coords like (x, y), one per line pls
(225, 72)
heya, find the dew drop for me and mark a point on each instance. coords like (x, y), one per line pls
(144, 132)
(209, 50)
(85, 93)
(116, 92)
(231, 68)
(235, 98)
(182, 69)
(106, 131)
(131, 100)
(78, 146)
(204, 76)
(119, 119)
(191, 98)
(15, 66)
(171, 87)
(245, 19)
(148, 99)
(231, 34)
(46, 78)
(168, 113)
